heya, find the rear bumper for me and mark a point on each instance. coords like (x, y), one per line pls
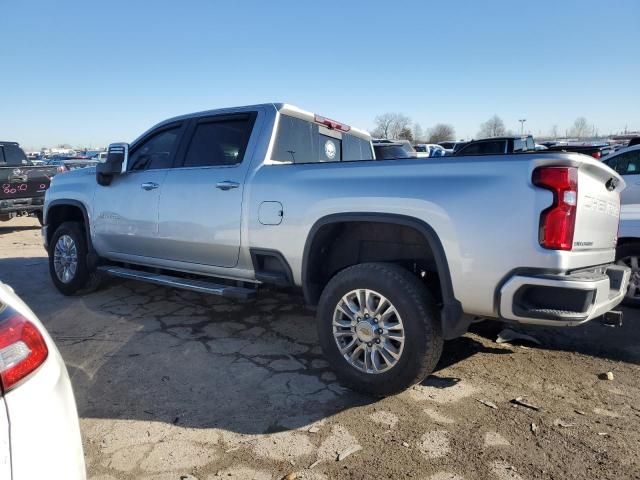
(563, 300)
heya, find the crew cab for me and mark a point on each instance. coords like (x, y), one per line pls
(395, 255)
(22, 185)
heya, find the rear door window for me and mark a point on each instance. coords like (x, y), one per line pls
(628, 163)
(14, 156)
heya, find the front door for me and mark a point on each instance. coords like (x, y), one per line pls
(201, 200)
(126, 211)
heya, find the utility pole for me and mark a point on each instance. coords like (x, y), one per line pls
(522, 120)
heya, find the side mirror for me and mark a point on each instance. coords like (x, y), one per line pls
(115, 164)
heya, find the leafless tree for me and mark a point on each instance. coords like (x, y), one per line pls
(418, 133)
(581, 128)
(555, 132)
(494, 127)
(391, 125)
(441, 132)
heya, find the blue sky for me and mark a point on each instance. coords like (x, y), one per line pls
(95, 72)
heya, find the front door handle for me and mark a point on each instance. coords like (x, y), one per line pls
(227, 185)
(149, 186)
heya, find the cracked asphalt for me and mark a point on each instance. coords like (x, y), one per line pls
(177, 385)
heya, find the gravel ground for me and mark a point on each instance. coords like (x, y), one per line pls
(176, 385)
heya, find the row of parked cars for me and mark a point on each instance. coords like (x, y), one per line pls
(397, 149)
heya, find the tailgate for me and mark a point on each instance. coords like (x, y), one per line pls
(598, 213)
(24, 182)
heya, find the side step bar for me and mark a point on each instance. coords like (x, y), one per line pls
(201, 286)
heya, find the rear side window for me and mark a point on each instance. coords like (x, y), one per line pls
(628, 163)
(13, 155)
(156, 152)
(484, 148)
(300, 141)
(219, 142)
(2, 160)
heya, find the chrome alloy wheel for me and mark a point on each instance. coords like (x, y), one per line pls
(368, 331)
(65, 259)
(633, 261)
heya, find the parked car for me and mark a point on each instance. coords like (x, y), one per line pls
(39, 429)
(431, 149)
(596, 151)
(627, 163)
(634, 141)
(497, 146)
(388, 150)
(22, 185)
(396, 255)
(628, 250)
(66, 164)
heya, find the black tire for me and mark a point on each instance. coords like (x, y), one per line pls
(625, 251)
(416, 307)
(83, 281)
(39, 215)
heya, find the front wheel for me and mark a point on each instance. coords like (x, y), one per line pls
(68, 260)
(379, 328)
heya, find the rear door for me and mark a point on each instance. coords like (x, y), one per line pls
(126, 211)
(200, 206)
(627, 164)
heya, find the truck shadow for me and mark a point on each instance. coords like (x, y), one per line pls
(140, 352)
(6, 228)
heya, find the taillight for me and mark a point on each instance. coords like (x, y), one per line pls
(332, 123)
(557, 223)
(22, 349)
(597, 154)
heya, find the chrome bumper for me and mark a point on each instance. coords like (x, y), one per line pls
(563, 300)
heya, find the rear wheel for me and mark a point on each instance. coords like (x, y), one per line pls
(628, 255)
(68, 260)
(379, 328)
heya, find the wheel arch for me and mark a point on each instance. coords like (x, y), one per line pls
(451, 312)
(60, 211)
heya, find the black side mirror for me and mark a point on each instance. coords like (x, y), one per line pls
(115, 164)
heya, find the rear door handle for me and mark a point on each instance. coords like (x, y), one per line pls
(227, 185)
(149, 186)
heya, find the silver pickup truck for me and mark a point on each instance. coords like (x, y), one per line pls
(397, 255)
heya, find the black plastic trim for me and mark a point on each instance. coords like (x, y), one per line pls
(281, 279)
(454, 323)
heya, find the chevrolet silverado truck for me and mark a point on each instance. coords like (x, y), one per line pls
(395, 255)
(22, 185)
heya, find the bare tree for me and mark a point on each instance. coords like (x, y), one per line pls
(418, 133)
(581, 128)
(391, 125)
(494, 127)
(441, 132)
(554, 132)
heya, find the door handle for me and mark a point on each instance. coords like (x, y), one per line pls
(149, 186)
(227, 185)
